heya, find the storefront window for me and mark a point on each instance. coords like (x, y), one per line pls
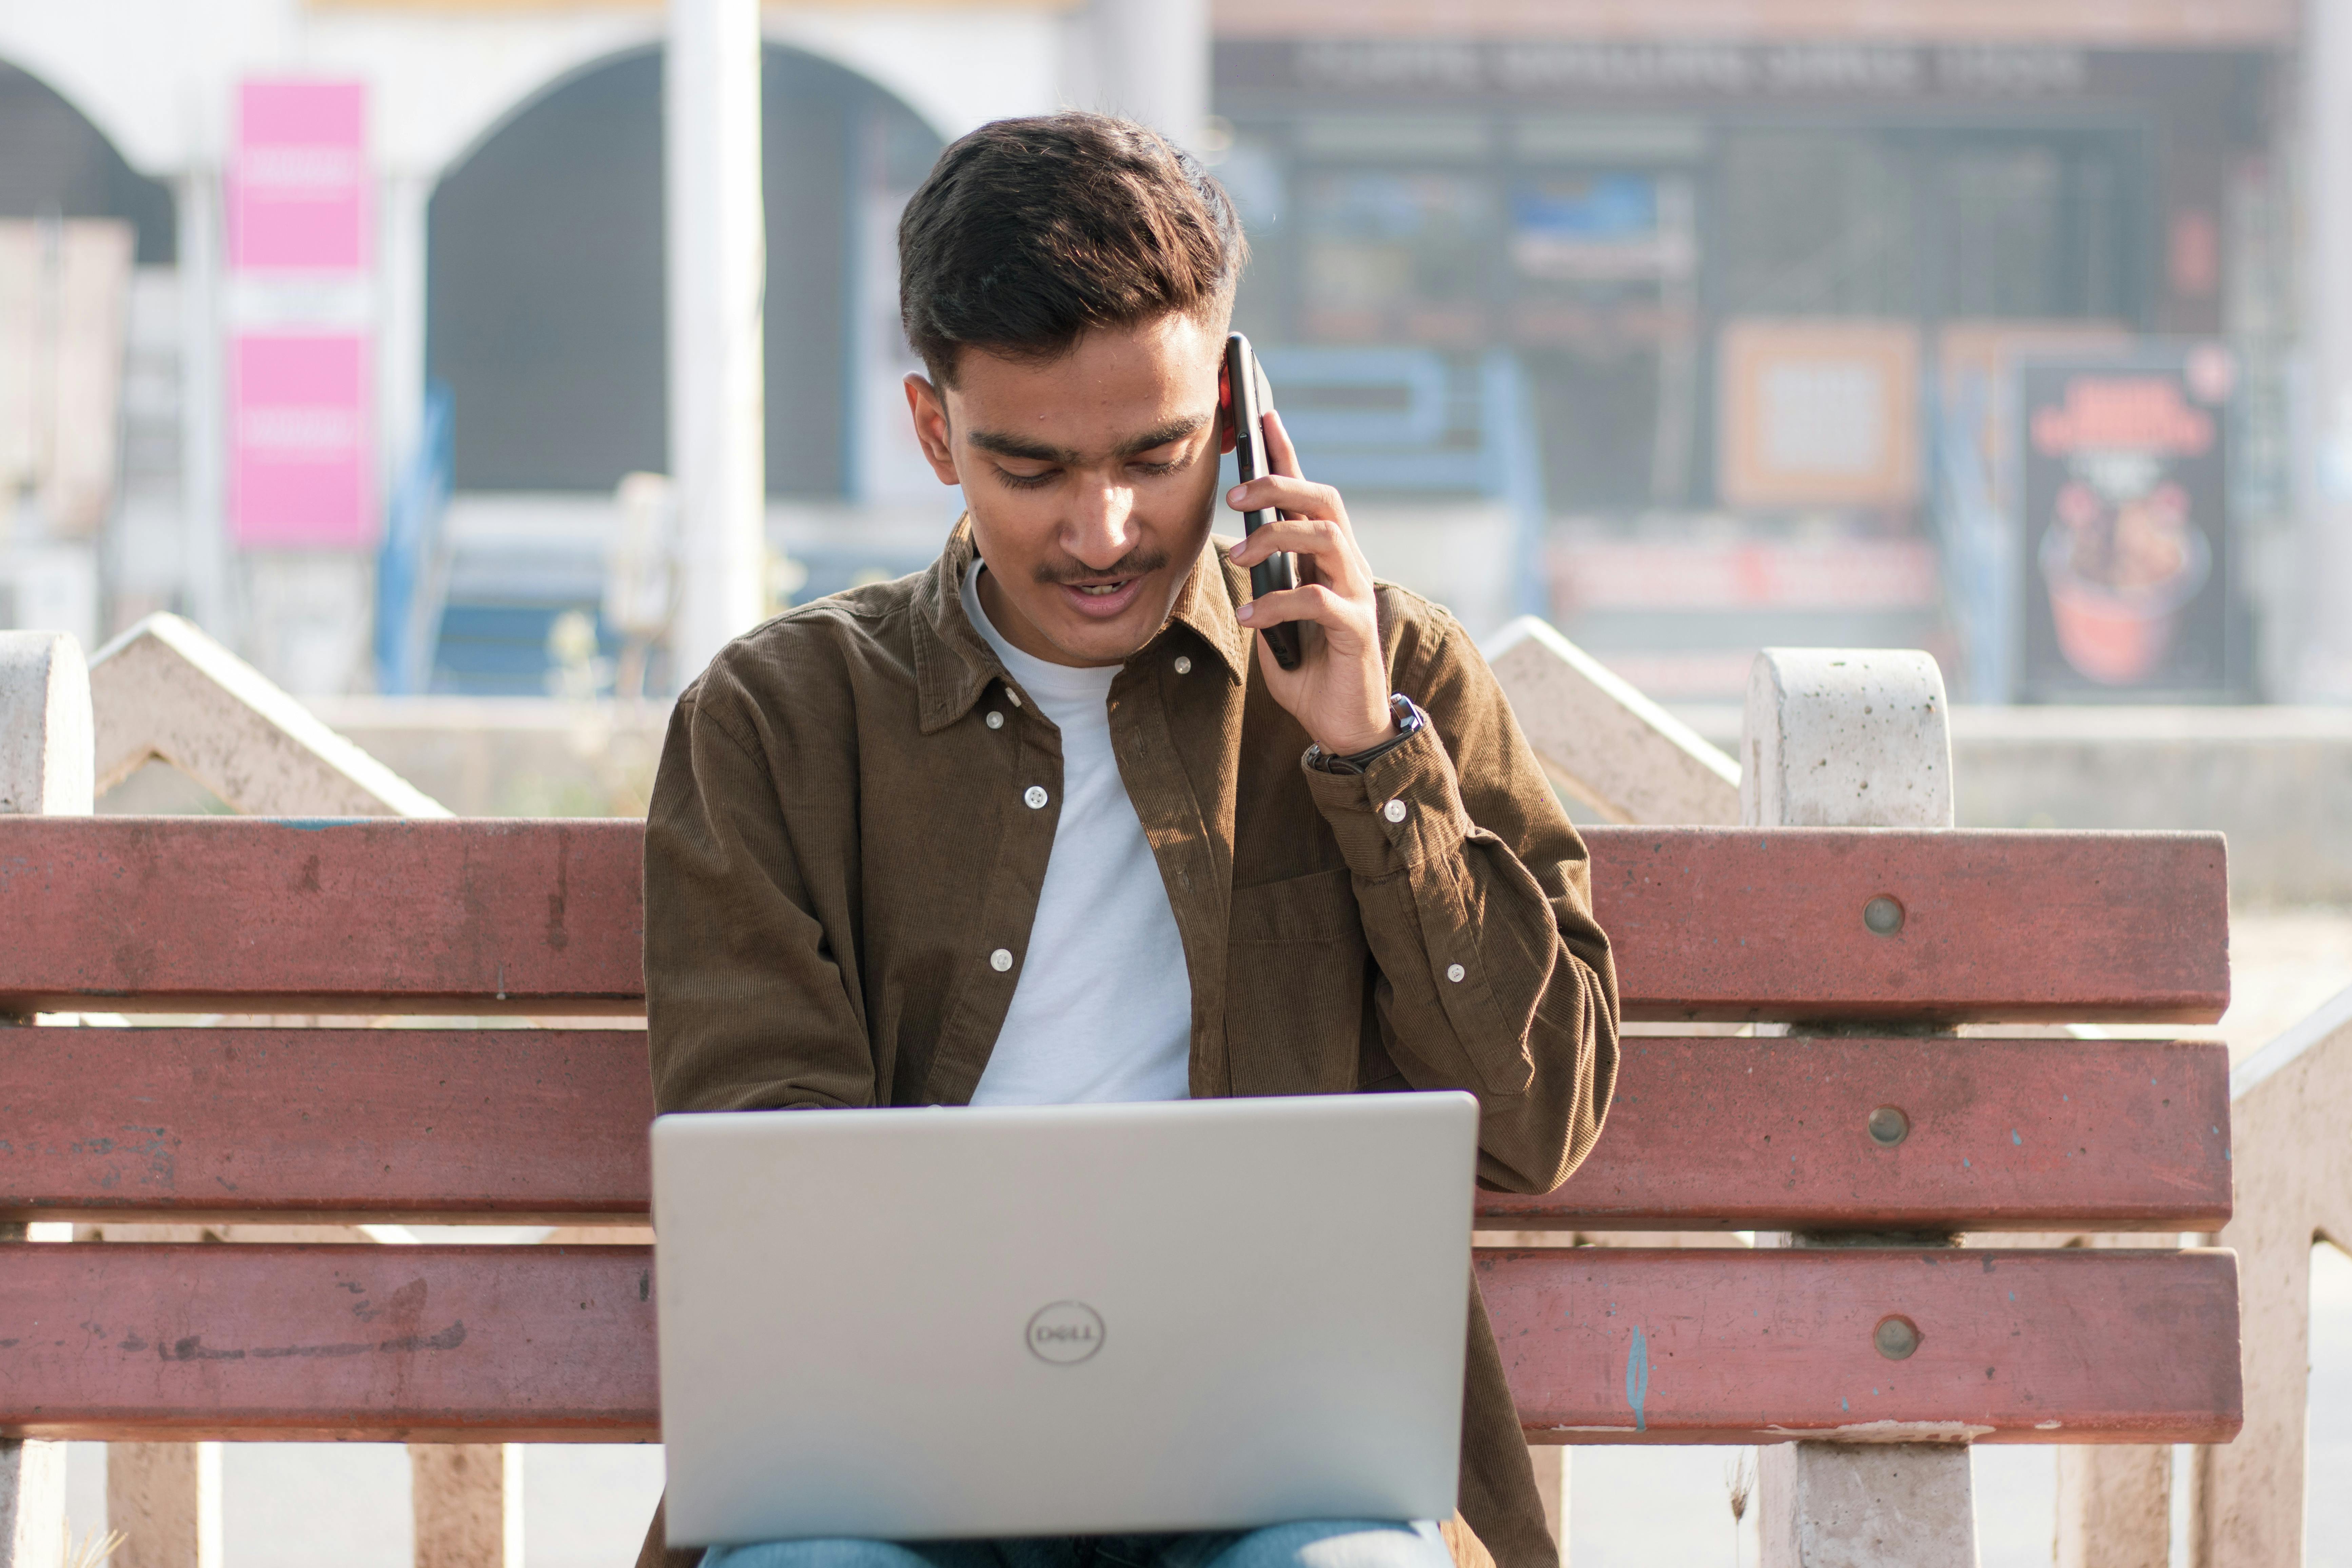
(1815, 224)
(1615, 262)
(1396, 256)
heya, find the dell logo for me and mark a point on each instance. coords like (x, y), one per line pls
(1065, 1332)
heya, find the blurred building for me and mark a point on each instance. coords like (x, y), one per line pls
(318, 313)
(1766, 273)
(338, 324)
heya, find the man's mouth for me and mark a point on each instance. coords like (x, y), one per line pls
(1103, 600)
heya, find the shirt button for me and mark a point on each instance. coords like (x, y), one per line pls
(1393, 811)
(1456, 973)
(1183, 664)
(1013, 697)
(995, 720)
(1001, 959)
(1035, 796)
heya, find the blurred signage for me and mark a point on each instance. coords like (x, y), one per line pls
(299, 192)
(300, 424)
(1818, 415)
(1707, 67)
(2125, 558)
(1263, 52)
(300, 452)
(1596, 228)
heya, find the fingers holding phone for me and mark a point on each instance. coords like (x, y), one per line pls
(1338, 687)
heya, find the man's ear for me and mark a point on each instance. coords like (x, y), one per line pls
(929, 412)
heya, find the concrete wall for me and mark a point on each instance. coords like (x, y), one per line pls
(2278, 781)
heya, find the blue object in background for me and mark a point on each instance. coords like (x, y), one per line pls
(1598, 207)
(407, 617)
(474, 627)
(1977, 541)
(1400, 419)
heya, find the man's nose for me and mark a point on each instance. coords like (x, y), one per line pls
(1101, 528)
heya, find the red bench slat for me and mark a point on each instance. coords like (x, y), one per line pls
(1731, 924)
(265, 915)
(556, 1344)
(429, 1124)
(2003, 1134)
(1719, 1345)
(172, 1342)
(166, 915)
(326, 1124)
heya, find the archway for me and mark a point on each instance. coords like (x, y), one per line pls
(59, 165)
(544, 275)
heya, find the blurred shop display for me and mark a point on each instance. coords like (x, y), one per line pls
(1977, 476)
(2126, 578)
(1767, 296)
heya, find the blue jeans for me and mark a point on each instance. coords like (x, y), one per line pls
(1311, 1543)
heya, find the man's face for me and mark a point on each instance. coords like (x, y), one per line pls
(1089, 480)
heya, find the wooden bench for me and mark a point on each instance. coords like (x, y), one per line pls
(1823, 1134)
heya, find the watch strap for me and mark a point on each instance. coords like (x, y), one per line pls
(1409, 719)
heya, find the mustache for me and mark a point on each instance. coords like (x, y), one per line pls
(1137, 563)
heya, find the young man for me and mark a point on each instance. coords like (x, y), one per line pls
(1048, 823)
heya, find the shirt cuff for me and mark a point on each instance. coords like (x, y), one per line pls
(1400, 812)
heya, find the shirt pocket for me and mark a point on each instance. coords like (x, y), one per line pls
(1296, 968)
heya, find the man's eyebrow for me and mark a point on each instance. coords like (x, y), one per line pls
(1020, 446)
(1174, 430)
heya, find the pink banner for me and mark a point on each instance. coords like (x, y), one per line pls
(299, 187)
(301, 448)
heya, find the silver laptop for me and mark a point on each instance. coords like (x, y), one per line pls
(1065, 1319)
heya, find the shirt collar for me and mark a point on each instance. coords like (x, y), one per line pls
(954, 664)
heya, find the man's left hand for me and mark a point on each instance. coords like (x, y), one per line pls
(1340, 691)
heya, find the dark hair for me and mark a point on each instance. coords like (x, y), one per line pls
(1027, 232)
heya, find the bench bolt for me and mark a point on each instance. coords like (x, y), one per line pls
(1896, 1337)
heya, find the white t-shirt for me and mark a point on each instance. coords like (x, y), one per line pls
(1103, 1009)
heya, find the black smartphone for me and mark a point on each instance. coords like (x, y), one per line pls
(1248, 400)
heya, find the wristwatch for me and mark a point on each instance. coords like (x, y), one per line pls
(1409, 722)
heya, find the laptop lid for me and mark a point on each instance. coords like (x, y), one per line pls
(935, 1324)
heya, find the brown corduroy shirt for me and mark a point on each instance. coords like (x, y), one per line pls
(837, 842)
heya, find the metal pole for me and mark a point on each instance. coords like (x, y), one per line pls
(209, 566)
(718, 270)
(1153, 64)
